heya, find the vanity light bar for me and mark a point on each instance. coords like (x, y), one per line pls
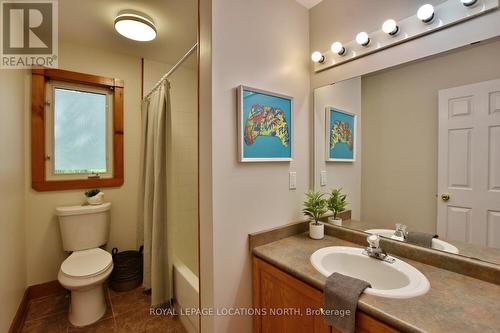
(428, 19)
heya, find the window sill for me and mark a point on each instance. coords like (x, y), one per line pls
(55, 185)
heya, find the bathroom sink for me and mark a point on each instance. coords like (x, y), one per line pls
(391, 280)
(437, 244)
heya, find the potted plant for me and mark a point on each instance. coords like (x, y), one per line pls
(314, 208)
(336, 203)
(94, 197)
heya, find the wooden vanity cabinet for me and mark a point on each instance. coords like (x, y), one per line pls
(278, 296)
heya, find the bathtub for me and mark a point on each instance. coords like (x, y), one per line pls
(186, 295)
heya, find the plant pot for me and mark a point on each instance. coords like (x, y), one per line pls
(316, 231)
(334, 221)
(97, 199)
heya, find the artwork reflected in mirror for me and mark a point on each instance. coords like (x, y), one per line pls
(340, 135)
(427, 167)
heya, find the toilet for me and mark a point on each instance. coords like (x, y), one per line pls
(83, 230)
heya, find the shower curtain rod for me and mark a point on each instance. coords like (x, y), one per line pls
(172, 70)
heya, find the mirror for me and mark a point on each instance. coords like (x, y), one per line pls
(418, 145)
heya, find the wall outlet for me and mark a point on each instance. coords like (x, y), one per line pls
(323, 180)
(292, 180)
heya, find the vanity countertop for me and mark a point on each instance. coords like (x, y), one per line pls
(455, 303)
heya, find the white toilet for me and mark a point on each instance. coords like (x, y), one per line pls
(83, 230)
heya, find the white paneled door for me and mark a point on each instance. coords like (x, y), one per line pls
(469, 164)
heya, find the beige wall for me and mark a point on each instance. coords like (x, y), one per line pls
(261, 44)
(205, 163)
(400, 128)
(43, 241)
(342, 19)
(183, 204)
(12, 237)
(346, 96)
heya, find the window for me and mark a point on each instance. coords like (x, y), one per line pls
(77, 136)
(78, 128)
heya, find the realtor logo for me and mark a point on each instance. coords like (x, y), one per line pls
(29, 33)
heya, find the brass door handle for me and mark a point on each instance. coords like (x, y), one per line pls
(445, 196)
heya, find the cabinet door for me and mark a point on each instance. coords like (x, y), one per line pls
(275, 291)
(287, 305)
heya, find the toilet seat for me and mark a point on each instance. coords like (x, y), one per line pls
(87, 263)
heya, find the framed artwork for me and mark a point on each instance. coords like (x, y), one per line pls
(340, 135)
(264, 126)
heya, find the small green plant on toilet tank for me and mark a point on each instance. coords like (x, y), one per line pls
(94, 196)
(336, 203)
(91, 193)
(315, 206)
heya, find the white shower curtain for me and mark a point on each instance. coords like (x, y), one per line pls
(156, 122)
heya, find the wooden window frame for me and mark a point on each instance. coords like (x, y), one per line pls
(39, 78)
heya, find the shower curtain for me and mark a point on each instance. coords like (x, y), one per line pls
(155, 146)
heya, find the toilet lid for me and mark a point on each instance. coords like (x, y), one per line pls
(86, 263)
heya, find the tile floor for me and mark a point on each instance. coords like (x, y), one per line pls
(128, 312)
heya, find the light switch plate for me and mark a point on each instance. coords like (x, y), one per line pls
(292, 180)
(323, 179)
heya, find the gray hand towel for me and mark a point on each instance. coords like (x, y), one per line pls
(341, 294)
(420, 238)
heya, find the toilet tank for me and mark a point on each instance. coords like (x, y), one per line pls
(84, 227)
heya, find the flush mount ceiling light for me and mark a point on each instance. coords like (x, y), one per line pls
(426, 13)
(338, 48)
(135, 26)
(362, 39)
(390, 27)
(469, 3)
(317, 57)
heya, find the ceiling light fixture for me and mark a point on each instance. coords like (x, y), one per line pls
(338, 48)
(469, 3)
(135, 26)
(362, 39)
(426, 13)
(390, 27)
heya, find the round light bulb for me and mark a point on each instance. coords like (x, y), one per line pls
(469, 3)
(362, 39)
(338, 48)
(317, 57)
(426, 13)
(390, 27)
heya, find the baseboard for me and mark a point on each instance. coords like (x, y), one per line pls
(17, 323)
(52, 288)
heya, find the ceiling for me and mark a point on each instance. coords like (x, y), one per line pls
(90, 23)
(309, 3)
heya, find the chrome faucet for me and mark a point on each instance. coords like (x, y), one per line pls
(401, 231)
(375, 251)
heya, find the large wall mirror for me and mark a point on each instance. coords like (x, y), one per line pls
(424, 138)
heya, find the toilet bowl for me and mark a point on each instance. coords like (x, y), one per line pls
(84, 229)
(83, 273)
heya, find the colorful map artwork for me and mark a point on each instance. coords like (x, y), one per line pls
(266, 121)
(341, 133)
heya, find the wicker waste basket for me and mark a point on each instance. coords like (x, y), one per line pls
(127, 271)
